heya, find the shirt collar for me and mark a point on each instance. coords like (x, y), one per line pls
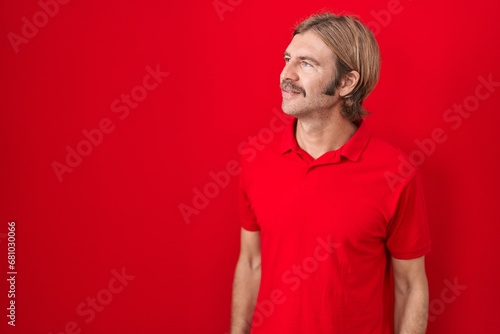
(351, 150)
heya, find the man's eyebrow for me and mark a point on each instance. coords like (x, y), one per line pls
(308, 58)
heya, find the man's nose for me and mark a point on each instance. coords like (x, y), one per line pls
(289, 73)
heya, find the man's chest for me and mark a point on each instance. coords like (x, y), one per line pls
(321, 201)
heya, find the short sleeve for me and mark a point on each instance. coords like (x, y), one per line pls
(408, 231)
(246, 213)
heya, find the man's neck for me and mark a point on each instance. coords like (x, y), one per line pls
(317, 136)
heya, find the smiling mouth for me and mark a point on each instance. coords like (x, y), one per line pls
(287, 93)
(287, 90)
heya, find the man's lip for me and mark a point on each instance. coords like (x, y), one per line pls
(288, 93)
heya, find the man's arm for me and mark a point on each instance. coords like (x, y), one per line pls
(246, 282)
(411, 296)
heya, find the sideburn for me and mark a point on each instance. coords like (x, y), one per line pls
(331, 88)
(341, 70)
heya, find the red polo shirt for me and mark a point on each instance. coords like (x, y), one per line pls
(328, 230)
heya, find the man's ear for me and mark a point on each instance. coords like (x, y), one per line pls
(348, 83)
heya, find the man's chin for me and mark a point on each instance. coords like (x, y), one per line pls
(290, 109)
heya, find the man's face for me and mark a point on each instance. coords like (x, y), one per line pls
(308, 76)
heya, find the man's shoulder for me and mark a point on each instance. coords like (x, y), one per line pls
(384, 150)
(397, 166)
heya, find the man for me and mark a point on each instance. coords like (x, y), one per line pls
(329, 243)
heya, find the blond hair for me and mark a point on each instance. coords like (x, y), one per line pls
(355, 48)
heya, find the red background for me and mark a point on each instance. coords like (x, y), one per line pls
(119, 208)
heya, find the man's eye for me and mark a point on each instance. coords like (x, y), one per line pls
(306, 64)
(287, 59)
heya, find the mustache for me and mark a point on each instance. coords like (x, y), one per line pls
(287, 85)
